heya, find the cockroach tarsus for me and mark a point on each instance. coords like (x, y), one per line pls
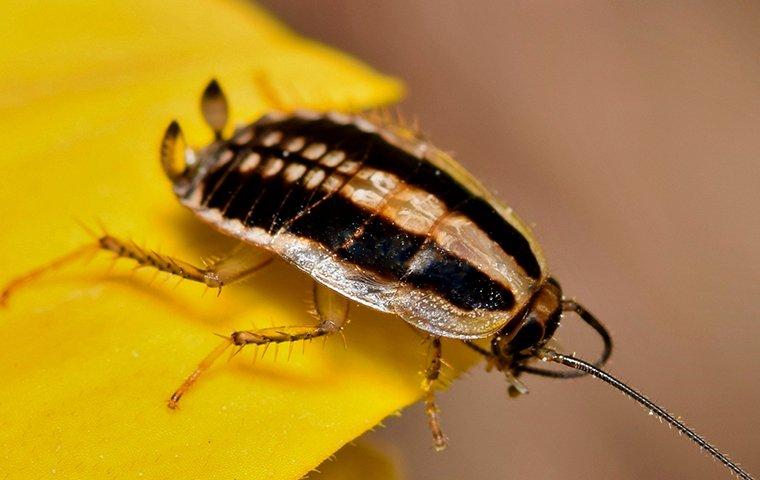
(376, 214)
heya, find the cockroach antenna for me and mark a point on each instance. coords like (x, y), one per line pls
(583, 368)
(586, 368)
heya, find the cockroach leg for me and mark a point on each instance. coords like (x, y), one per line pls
(239, 264)
(35, 274)
(515, 387)
(202, 366)
(428, 385)
(331, 308)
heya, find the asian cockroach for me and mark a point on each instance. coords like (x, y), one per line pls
(375, 214)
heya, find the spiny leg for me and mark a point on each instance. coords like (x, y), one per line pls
(515, 387)
(331, 308)
(32, 275)
(241, 262)
(432, 373)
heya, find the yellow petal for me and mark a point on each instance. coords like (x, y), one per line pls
(87, 357)
(358, 461)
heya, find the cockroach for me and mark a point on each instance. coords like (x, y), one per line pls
(376, 214)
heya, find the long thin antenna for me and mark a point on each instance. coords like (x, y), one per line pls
(583, 366)
(590, 319)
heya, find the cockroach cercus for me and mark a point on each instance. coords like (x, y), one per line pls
(378, 215)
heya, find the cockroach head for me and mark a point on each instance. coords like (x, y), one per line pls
(533, 328)
(524, 339)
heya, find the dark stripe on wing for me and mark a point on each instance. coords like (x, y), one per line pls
(331, 223)
(378, 246)
(457, 281)
(390, 158)
(382, 248)
(503, 233)
(436, 181)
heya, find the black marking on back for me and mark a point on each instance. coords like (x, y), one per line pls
(356, 148)
(382, 248)
(332, 222)
(216, 179)
(434, 180)
(299, 201)
(502, 232)
(250, 187)
(458, 281)
(357, 236)
(224, 183)
(266, 204)
(272, 203)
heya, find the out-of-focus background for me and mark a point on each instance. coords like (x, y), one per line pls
(629, 135)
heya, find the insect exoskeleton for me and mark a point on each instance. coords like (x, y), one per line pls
(376, 214)
(384, 218)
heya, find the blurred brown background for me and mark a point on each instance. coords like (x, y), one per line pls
(629, 134)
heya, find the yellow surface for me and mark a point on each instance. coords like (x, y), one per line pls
(88, 358)
(361, 461)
